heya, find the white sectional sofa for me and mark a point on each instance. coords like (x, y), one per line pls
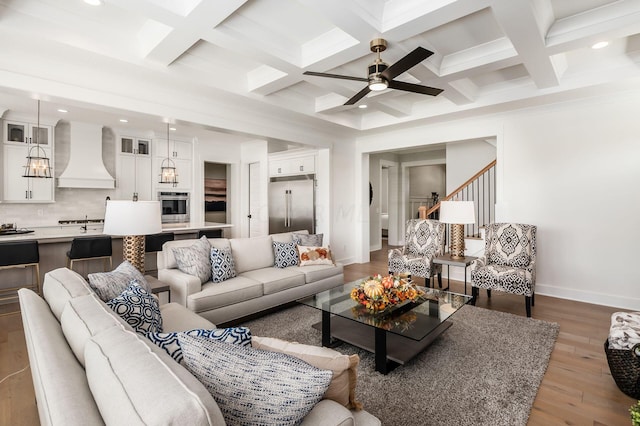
(90, 368)
(259, 284)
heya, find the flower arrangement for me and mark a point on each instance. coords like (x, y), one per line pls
(635, 414)
(378, 293)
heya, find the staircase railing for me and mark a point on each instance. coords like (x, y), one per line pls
(481, 189)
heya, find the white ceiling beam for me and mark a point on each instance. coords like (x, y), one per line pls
(205, 15)
(612, 21)
(518, 20)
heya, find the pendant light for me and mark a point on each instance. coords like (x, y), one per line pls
(38, 165)
(168, 168)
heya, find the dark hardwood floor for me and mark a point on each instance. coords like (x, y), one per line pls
(577, 388)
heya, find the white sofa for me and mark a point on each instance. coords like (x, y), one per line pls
(258, 286)
(90, 368)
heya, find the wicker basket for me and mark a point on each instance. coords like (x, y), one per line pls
(625, 368)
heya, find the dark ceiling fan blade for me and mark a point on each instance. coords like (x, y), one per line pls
(344, 77)
(415, 88)
(361, 94)
(412, 59)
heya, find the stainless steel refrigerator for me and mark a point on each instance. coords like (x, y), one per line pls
(292, 204)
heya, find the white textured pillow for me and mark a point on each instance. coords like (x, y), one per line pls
(252, 386)
(108, 285)
(194, 260)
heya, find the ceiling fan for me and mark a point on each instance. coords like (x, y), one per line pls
(381, 75)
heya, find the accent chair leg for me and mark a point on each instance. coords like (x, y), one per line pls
(440, 279)
(527, 304)
(474, 294)
(489, 293)
(533, 299)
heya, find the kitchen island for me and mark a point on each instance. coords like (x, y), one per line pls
(55, 241)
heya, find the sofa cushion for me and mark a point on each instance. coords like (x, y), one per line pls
(83, 318)
(276, 279)
(216, 295)
(222, 266)
(108, 285)
(134, 385)
(252, 253)
(195, 259)
(138, 308)
(61, 285)
(176, 317)
(170, 343)
(59, 381)
(314, 256)
(315, 273)
(344, 367)
(307, 239)
(285, 254)
(265, 387)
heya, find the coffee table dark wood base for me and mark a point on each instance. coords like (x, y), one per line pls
(390, 349)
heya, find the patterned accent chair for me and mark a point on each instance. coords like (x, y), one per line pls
(509, 262)
(423, 240)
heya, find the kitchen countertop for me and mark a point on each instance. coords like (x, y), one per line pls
(64, 233)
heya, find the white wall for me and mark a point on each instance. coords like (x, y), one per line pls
(571, 169)
(465, 157)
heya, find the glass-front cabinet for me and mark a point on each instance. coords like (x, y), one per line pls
(135, 146)
(21, 132)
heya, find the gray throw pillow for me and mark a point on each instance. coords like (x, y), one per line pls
(194, 260)
(108, 285)
(314, 240)
(252, 386)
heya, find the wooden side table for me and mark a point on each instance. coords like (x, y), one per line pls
(463, 262)
(158, 286)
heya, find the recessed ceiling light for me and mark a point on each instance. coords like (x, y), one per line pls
(363, 106)
(93, 2)
(62, 110)
(124, 120)
(172, 128)
(600, 45)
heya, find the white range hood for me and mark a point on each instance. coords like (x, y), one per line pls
(85, 168)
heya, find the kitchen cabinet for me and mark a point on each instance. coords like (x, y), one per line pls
(18, 132)
(21, 189)
(134, 171)
(300, 165)
(180, 152)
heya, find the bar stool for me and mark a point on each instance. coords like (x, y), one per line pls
(154, 242)
(20, 254)
(90, 248)
(210, 233)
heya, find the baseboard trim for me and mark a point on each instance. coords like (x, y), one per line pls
(622, 302)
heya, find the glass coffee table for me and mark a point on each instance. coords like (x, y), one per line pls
(394, 336)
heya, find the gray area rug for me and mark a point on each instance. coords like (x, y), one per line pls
(484, 370)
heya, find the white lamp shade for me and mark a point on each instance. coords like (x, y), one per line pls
(458, 212)
(125, 217)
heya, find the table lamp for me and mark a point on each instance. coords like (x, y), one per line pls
(458, 214)
(132, 220)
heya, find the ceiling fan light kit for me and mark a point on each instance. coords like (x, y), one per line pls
(381, 75)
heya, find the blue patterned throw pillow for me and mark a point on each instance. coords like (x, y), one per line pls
(252, 386)
(286, 254)
(169, 341)
(138, 308)
(222, 265)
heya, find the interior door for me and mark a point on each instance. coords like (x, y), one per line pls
(255, 219)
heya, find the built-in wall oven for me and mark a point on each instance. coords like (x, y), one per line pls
(175, 206)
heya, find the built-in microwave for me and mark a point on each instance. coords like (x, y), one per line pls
(175, 206)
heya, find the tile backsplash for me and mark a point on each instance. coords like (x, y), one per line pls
(71, 203)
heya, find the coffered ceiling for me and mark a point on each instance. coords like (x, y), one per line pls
(251, 54)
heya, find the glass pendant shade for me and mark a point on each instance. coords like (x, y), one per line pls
(168, 168)
(38, 165)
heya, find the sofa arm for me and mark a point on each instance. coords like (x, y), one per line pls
(181, 284)
(328, 413)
